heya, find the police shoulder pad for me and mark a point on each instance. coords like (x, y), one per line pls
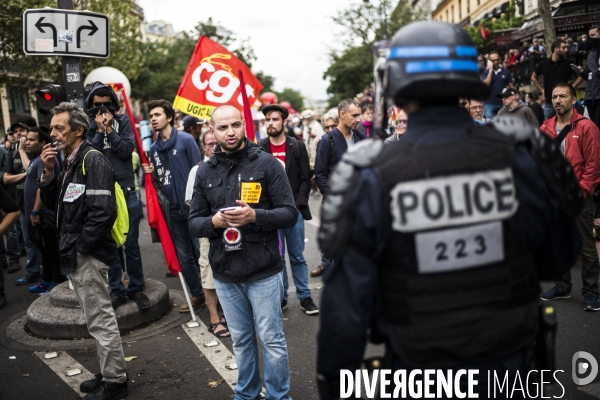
(515, 128)
(363, 153)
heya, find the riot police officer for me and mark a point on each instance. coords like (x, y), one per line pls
(440, 239)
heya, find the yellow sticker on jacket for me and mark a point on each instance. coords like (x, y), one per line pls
(251, 192)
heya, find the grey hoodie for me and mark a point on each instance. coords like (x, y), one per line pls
(521, 111)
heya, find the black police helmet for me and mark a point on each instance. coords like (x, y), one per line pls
(435, 61)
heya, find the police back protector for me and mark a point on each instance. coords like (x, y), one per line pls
(457, 283)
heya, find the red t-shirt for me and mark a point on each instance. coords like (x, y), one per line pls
(278, 151)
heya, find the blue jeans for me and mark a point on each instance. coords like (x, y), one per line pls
(133, 257)
(294, 237)
(188, 251)
(33, 255)
(243, 304)
(325, 262)
(11, 250)
(490, 110)
(549, 111)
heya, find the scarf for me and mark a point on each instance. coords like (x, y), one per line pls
(368, 125)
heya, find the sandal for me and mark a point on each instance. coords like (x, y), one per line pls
(223, 321)
(223, 333)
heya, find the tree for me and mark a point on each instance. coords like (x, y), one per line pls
(19, 69)
(294, 97)
(496, 27)
(548, 21)
(361, 24)
(267, 81)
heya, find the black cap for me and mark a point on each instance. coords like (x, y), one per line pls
(190, 121)
(21, 124)
(276, 107)
(508, 91)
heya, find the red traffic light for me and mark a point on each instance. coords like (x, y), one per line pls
(51, 96)
(47, 96)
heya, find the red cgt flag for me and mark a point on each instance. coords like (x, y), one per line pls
(212, 79)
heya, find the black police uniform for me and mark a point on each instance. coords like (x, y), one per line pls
(481, 316)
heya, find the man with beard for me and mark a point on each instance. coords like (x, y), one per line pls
(241, 198)
(579, 140)
(42, 221)
(330, 150)
(555, 69)
(172, 157)
(294, 157)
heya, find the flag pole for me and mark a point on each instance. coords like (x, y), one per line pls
(192, 323)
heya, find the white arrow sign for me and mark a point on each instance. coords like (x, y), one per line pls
(52, 32)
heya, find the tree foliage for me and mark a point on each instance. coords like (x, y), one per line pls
(29, 71)
(294, 97)
(495, 26)
(361, 24)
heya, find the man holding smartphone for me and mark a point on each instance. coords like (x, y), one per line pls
(244, 248)
(556, 69)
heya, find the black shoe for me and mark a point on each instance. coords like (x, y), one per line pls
(283, 304)
(90, 385)
(2, 302)
(117, 301)
(108, 391)
(309, 306)
(141, 300)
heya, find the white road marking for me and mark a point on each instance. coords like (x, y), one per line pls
(218, 355)
(64, 363)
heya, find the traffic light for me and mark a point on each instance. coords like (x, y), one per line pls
(51, 96)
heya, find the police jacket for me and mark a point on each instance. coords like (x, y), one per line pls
(352, 287)
(217, 185)
(298, 171)
(591, 75)
(582, 149)
(86, 208)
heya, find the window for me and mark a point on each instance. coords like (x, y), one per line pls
(452, 13)
(18, 100)
(459, 9)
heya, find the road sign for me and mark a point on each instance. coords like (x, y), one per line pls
(52, 32)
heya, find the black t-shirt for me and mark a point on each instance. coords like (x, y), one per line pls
(14, 166)
(553, 72)
(7, 205)
(538, 110)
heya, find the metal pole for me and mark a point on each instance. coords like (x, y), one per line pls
(72, 75)
(187, 297)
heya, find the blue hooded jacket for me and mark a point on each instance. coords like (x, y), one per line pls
(173, 160)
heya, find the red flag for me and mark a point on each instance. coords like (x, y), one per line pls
(210, 81)
(156, 219)
(483, 32)
(247, 112)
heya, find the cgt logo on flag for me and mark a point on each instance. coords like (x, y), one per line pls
(212, 80)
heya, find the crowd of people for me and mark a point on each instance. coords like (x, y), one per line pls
(235, 207)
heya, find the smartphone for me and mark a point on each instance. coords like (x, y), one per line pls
(575, 67)
(230, 208)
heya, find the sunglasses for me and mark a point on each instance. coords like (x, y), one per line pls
(105, 104)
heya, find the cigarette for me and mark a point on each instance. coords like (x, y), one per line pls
(54, 144)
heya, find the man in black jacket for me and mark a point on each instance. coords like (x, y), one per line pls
(112, 134)
(330, 150)
(292, 153)
(244, 248)
(86, 211)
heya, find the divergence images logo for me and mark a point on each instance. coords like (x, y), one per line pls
(581, 367)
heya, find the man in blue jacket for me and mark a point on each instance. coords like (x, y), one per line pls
(330, 150)
(172, 157)
(112, 134)
(244, 248)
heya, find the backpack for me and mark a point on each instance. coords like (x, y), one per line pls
(121, 225)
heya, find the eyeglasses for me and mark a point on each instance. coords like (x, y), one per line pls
(105, 104)
(402, 122)
(210, 144)
(330, 127)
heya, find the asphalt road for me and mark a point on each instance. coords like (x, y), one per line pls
(170, 365)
